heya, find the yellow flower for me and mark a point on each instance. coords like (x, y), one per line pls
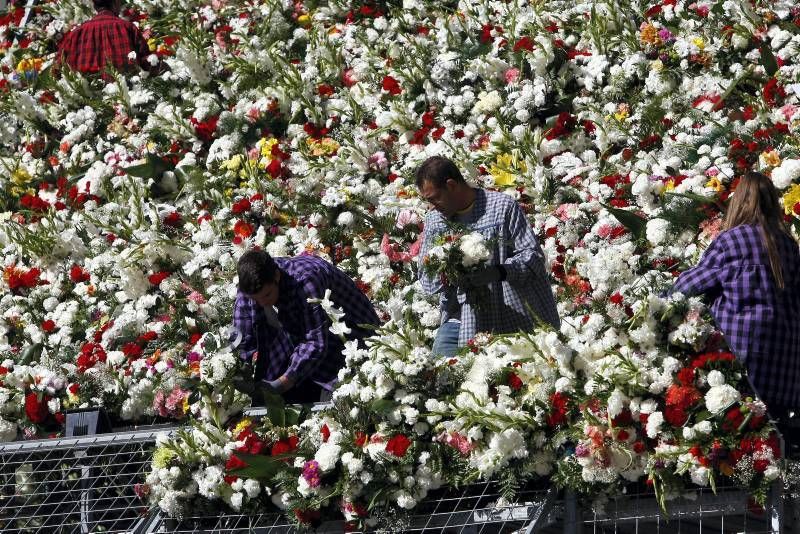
(715, 184)
(21, 177)
(657, 65)
(304, 20)
(670, 185)
(505, 170)
(29, 64)
(322, 147)
(791, 198)
(162, 457)
(243, 424)
(233, 164)
(699, 43)
(623, 110)
(770, 158)
(152, 44)
(266, 146)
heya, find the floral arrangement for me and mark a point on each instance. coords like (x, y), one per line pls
(457, 253)
(620, 128)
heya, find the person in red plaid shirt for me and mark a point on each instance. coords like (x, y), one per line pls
(104, 40)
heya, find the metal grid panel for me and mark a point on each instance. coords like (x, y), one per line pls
(726, 511)
(472, 509)
(74, 485)
(86, 484)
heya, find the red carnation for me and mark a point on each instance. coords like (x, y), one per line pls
(398, 445)
(391, 86)
(360, 439)
(241, 206)
(173, 219)
(514, 382)
(234, 462)
(78, 274)
(524, 43)
(132, 350)
(36, 409)
(157, 278)
(326, 433)
(242, 229)
(49, 325)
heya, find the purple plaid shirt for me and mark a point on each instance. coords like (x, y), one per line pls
(761, 323)
(304, 348)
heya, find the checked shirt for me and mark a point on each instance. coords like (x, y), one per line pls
(102, 40)
(760, 322)
(498, 218)
(302, 348)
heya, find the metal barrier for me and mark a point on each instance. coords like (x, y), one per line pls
(73, 485)
(87, 484)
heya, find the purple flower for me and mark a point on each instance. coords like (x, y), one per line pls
(665, 35)
(582, 450)
(311, 473)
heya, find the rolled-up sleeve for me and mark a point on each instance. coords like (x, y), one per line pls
(527, 258)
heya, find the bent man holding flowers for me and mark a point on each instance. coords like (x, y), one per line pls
(296, 354)
(508, 290)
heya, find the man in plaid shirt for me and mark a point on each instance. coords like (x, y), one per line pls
(296, 354)
(519, 288)
(104, 40)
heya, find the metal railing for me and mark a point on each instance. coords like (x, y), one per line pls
(88, 484)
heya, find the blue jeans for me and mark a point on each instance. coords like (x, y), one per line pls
(446, 342)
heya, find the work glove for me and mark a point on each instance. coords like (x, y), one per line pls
(483, 277)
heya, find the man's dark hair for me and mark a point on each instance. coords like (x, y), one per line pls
(437, 170)
(255, 268)
(103, 4)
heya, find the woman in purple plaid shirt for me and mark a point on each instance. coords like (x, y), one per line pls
(750, 273)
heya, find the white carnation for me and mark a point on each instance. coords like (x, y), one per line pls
(719, 398)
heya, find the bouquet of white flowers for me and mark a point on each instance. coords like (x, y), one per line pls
(455, 254)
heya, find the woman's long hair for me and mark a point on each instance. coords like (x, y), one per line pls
(755, 201)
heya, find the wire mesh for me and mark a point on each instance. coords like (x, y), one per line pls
(88, 484)
(74, 485)
(472, 509)
(702, 511)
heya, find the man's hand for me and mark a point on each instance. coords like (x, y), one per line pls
(483, 277)
(244, 384)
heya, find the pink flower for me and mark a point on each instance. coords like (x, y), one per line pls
(311, 473)
(378, 161)
(458, 441)
(196, 297)
(406, 217)
(788, 111)
(511, 75)
(393, 252)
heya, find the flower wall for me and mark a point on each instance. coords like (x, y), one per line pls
(620, 127)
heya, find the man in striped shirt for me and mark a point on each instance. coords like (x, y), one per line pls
(519, 288)
(102, 41)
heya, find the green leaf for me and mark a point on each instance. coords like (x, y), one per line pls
(260, 466)
(382, 406)
(768, 60)
(276, 408)
(153, 167)
(31, 353)
(635, 224)
(703, 416)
